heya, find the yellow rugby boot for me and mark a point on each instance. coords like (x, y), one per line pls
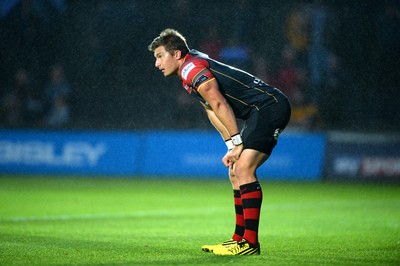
(240, 248)
(225, 244)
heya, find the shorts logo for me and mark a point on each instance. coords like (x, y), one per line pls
(276, 133)
(186, 70)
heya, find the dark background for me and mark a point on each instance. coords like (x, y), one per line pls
(103, 48)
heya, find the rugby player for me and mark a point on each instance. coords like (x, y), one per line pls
(228, 94)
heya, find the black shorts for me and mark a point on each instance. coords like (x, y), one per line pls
(261, 130)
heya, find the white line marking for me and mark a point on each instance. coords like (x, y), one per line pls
(89, 216)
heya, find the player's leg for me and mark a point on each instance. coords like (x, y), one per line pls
(250, 191)
(251, 198)
(239, 220)
(260, 135)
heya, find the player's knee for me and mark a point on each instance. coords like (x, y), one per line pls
(243, 171)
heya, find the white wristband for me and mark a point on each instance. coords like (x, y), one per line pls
(237, 139)
(229, 144)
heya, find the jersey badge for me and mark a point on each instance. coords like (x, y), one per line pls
(200, 80)
(186, 70)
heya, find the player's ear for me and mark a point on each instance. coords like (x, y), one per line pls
(178, 54)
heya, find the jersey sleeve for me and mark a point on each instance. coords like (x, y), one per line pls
(196, 73)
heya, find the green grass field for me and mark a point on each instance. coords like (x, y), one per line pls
(87, 221)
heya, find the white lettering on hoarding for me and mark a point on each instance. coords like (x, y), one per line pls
(380, 166)
(346, 166)
(46, 153)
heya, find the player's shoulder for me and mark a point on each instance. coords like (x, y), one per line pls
(194, 59)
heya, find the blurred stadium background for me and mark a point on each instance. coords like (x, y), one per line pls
(80, 94)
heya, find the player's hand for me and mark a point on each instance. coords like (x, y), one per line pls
(232, 156)
(226, 161)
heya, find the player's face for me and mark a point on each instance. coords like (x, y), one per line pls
(166, 62)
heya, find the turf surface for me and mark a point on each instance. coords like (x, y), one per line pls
(79, 221)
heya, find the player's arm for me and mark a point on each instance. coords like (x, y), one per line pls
(224, 117)
(219, 126)
(219, 106)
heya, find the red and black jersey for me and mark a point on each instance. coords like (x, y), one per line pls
(244, 92)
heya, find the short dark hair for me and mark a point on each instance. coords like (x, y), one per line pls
(172, 40)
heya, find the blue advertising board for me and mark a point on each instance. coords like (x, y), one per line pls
(158, 153)
(183, 153)
(68, 152)
(297, 156)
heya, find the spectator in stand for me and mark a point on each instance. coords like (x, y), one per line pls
(14, 100)
(297, 30)
(293, 79)
(57, 95)
(322, 26)
(58, 85)
(34, 108)
(59, 114)
(305, 115)
(290, 76)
